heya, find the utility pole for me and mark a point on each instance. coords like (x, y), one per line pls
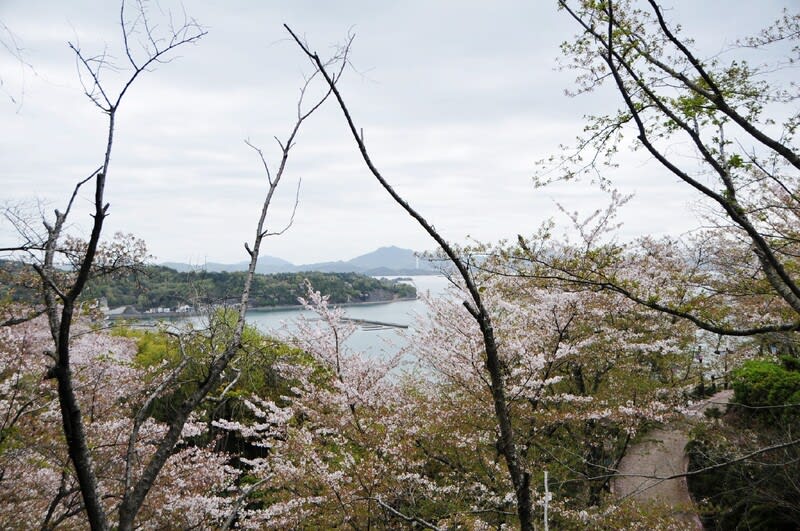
(546, 501)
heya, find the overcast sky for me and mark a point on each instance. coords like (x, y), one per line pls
(457, 99)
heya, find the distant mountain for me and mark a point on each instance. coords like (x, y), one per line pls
(386, 261)
(266, 264)
(385, 256)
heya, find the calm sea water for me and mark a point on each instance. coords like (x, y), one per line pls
(385, 341)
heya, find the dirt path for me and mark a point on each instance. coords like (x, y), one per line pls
(661, 453)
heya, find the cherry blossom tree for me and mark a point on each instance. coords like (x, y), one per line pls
(334, 446)
(473, 302)
(144, 47)
(582, 382)
(724, 124)
(60, 293)
(352, 443)
(493, 354)
(37, 477)
(735, 114)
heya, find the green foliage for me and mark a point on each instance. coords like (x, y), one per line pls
(164, 287)
(790, 363)
(252, 373)
(158, 286)
(762, 383)
(757, 493)
(18, 283)
(152, 346)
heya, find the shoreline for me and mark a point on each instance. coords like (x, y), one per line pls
(286, 307)
(265, 309)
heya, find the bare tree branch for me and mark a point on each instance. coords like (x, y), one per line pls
(519, 477)
(408, 519)
(134, 497)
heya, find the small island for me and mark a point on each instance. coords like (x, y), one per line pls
(160, 291)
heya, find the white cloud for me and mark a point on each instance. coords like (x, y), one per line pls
(458, 101)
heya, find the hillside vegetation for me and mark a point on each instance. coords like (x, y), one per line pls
(165, 287)
(158, 286)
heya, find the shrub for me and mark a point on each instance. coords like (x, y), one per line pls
(765, 383)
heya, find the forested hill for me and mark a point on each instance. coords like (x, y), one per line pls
(163, 287)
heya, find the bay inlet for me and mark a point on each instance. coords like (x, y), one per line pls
(369, 339)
